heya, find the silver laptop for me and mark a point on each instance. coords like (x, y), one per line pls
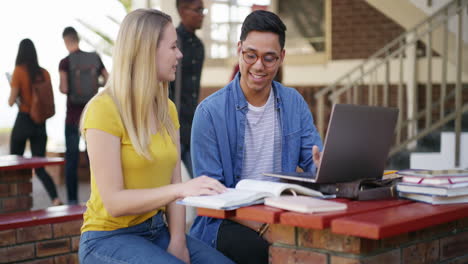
(356, 146)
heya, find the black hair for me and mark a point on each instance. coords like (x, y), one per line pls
(27, 56)
(183, 2)
(71, 33)
(264, 21)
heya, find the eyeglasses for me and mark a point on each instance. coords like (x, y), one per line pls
(269, 60)
(200, 10)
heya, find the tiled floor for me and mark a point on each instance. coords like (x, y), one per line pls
(41, 199)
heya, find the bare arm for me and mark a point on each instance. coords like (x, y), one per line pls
(176, 219)
(13, 95)
(63, 86)
(105, 162)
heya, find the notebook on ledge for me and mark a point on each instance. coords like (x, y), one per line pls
(356, 146)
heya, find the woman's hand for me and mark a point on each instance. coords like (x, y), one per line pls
(178, 248)
(202, 185)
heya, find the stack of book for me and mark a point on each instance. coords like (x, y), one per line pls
(434, 186)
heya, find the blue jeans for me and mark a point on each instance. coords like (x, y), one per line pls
(25, 129)
(143, 243)
(72, 156)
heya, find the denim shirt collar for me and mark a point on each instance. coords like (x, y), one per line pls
(239, 97)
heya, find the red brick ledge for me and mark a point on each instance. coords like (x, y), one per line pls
(51, 215)
(14, 162)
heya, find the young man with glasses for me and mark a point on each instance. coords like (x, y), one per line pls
(185, 90)
(252, 125)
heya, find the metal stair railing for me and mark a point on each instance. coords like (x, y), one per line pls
(374, 76)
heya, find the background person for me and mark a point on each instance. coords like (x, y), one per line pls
(74, 109)
(28, 70)
(185, 90)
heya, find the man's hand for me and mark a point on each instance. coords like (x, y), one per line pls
(316, 156)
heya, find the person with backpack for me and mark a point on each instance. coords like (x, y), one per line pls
(79, 80)
(28, 77)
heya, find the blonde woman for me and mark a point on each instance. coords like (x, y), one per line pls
(131, 130)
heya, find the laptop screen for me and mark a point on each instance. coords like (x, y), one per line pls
(357, 143)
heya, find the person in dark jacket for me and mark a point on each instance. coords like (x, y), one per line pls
(185, 90)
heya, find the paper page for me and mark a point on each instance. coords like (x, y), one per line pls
(275, 188)
(8, 76)
(232, 197)
(304, 204)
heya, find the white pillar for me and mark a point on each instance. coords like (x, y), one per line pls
(411, 87)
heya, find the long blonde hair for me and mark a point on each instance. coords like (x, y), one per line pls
(133, 82)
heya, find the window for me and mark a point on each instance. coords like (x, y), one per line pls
(225, 18)
(305, 22)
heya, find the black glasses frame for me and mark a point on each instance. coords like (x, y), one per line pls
(266, 64)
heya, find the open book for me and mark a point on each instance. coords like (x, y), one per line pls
(247, 192)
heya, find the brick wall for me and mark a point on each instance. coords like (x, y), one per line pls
(48, 243)
(446, 243)
(57, 172)
(359, 30)
(15, 190)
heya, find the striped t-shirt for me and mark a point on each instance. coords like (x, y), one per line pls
(262, 146)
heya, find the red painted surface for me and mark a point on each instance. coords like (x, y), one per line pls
(323, 220)
(367, 219)
(216, 213)
(13, 162)
(260, 213)
(397, 220)
(50, 215)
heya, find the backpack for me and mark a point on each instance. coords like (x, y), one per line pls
(83, 75)
(42, 104)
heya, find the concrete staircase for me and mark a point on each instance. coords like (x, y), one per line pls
(408, 13)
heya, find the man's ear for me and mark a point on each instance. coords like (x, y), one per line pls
(283, 54)
(239, 44)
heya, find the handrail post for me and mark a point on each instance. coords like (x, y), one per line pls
(429, 76)
(400, 98)
(387, 81)
(411, 88)
(458, 86)
(321, 115)
(443, 85)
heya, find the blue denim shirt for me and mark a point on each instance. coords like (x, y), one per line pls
(218, 133)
